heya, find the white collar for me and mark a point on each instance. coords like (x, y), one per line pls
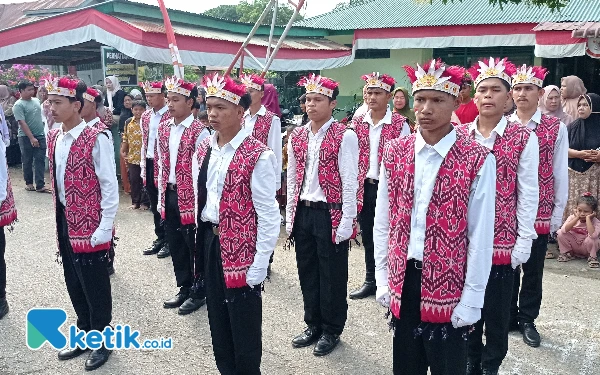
(93, 122)
(160, 111)
(499, 129)
(442, 147)
(234, 143)
(75, 132)
(261, 112)
(536, 118)
(187, 122)
(323, 129)
(387, 119)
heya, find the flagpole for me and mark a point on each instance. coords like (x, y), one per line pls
(175, 56)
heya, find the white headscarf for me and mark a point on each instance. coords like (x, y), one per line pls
(111, 93)
(135, 93)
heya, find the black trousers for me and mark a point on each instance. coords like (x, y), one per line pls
(181, 240)
(88, 285)
(33, 158)
(138, 195)
(152, 191)
(322, 270)
(234, 316)
(367, 221)
(496, 316)
(526, 303)
(2, 264)
(439, 347)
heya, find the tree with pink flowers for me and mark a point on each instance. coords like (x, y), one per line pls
(11, 75)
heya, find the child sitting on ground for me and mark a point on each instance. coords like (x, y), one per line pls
(578, 236)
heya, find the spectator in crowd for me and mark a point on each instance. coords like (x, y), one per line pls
(304, 121)
(584, 156)
(201, 99)
(571, 88)
(271, 99)
(7, 102)
(196, 109)
(510, 107)
(104, 112)
(203, 117)
(550, 104)
(5, 134)
(125, 115)
(131, 148)
(136, 94)
(467, 112)
(114, 98)
(47, 118)
(32, 139)
(578, 236)
(401, 104)
(364, 107)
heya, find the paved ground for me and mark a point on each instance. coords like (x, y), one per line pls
(568, 322)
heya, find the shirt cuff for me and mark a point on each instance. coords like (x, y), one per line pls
(472, 298)
(523, 245)
(381, 277)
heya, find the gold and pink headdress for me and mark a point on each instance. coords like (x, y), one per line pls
(152, 87)
(382, 81)
(533, 74)
(61, 86)
(435, 75)
(253, 81)
(493, 68)
(91, 94)
(318, 84)
(224, 87)
(179, 86)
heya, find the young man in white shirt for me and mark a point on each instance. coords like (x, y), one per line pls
(433, 231)
(517, 158)
(238, 226)
(321, 212)
(85, 212)
(553, 176)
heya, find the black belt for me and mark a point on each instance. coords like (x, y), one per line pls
(415, 263)
(172, 187)
(322, 205)
(215, 227)
(371, 181)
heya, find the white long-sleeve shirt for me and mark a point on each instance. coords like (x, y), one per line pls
(153, 131)
(263, 189)
(311, 190)
(375, 136)
(560, 166)
(528, 192)
(480, 217)
(103, 155)
(273, 141)
(3, 173)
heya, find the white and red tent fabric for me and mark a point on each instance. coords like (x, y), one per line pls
(147, 41)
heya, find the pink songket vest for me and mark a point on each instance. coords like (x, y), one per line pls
(82, 190)
(8, 211)
(262, 127)
(362, 129)
(238, 222)
(145, 126)
(183, 169)
(446, 243)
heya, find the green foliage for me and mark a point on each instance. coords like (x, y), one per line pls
(250, 10)
(190, 73)
(552, 4)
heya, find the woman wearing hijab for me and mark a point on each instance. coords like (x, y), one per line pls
(7, 101)
(571, 88)
(401, 104)
(136, 94)
(114, 97)
(550, 104)
(271, 99)
(584, 156)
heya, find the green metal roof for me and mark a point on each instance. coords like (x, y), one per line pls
(374, 14)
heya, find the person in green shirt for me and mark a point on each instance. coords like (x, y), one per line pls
(32, 140)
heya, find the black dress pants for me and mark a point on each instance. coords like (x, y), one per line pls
(496, 316)
(419, 346)
(2, 264)
(182, 240)
(322, 270)
(526, 303)
(88, 282)
(234, 315)
(367, 221)
(152, 191)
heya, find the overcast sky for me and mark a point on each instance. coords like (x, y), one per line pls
(311, 7)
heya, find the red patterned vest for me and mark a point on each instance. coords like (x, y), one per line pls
(100, 125)
(262, 127)
(82, 190)
(547, 133)
(446, 243)
(183, 169)
(362, 129)
(329, 171)
(507, 150)
(238, 222)
(8, 211)
(145, 125)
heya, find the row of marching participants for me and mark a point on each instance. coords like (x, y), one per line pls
(444, 212)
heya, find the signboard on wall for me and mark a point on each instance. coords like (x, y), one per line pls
(115, 63)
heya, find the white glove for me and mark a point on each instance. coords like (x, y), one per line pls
(555, 223)
(288, 228)
(7, 142)
(382, 295)
(101, 236)
(255, 275)
(517, 258)
(463, 316)
(344, 230)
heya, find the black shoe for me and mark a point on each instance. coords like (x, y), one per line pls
(97, 358)
(69, 353)
(176, 301)
(190, 305)
(488, 371)
(326, 344)
(164, 252)
(111, 270)
(531, 336)
(473, 368)
(310, 335)
(155, 248)
(366, 290)
(3, 307)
